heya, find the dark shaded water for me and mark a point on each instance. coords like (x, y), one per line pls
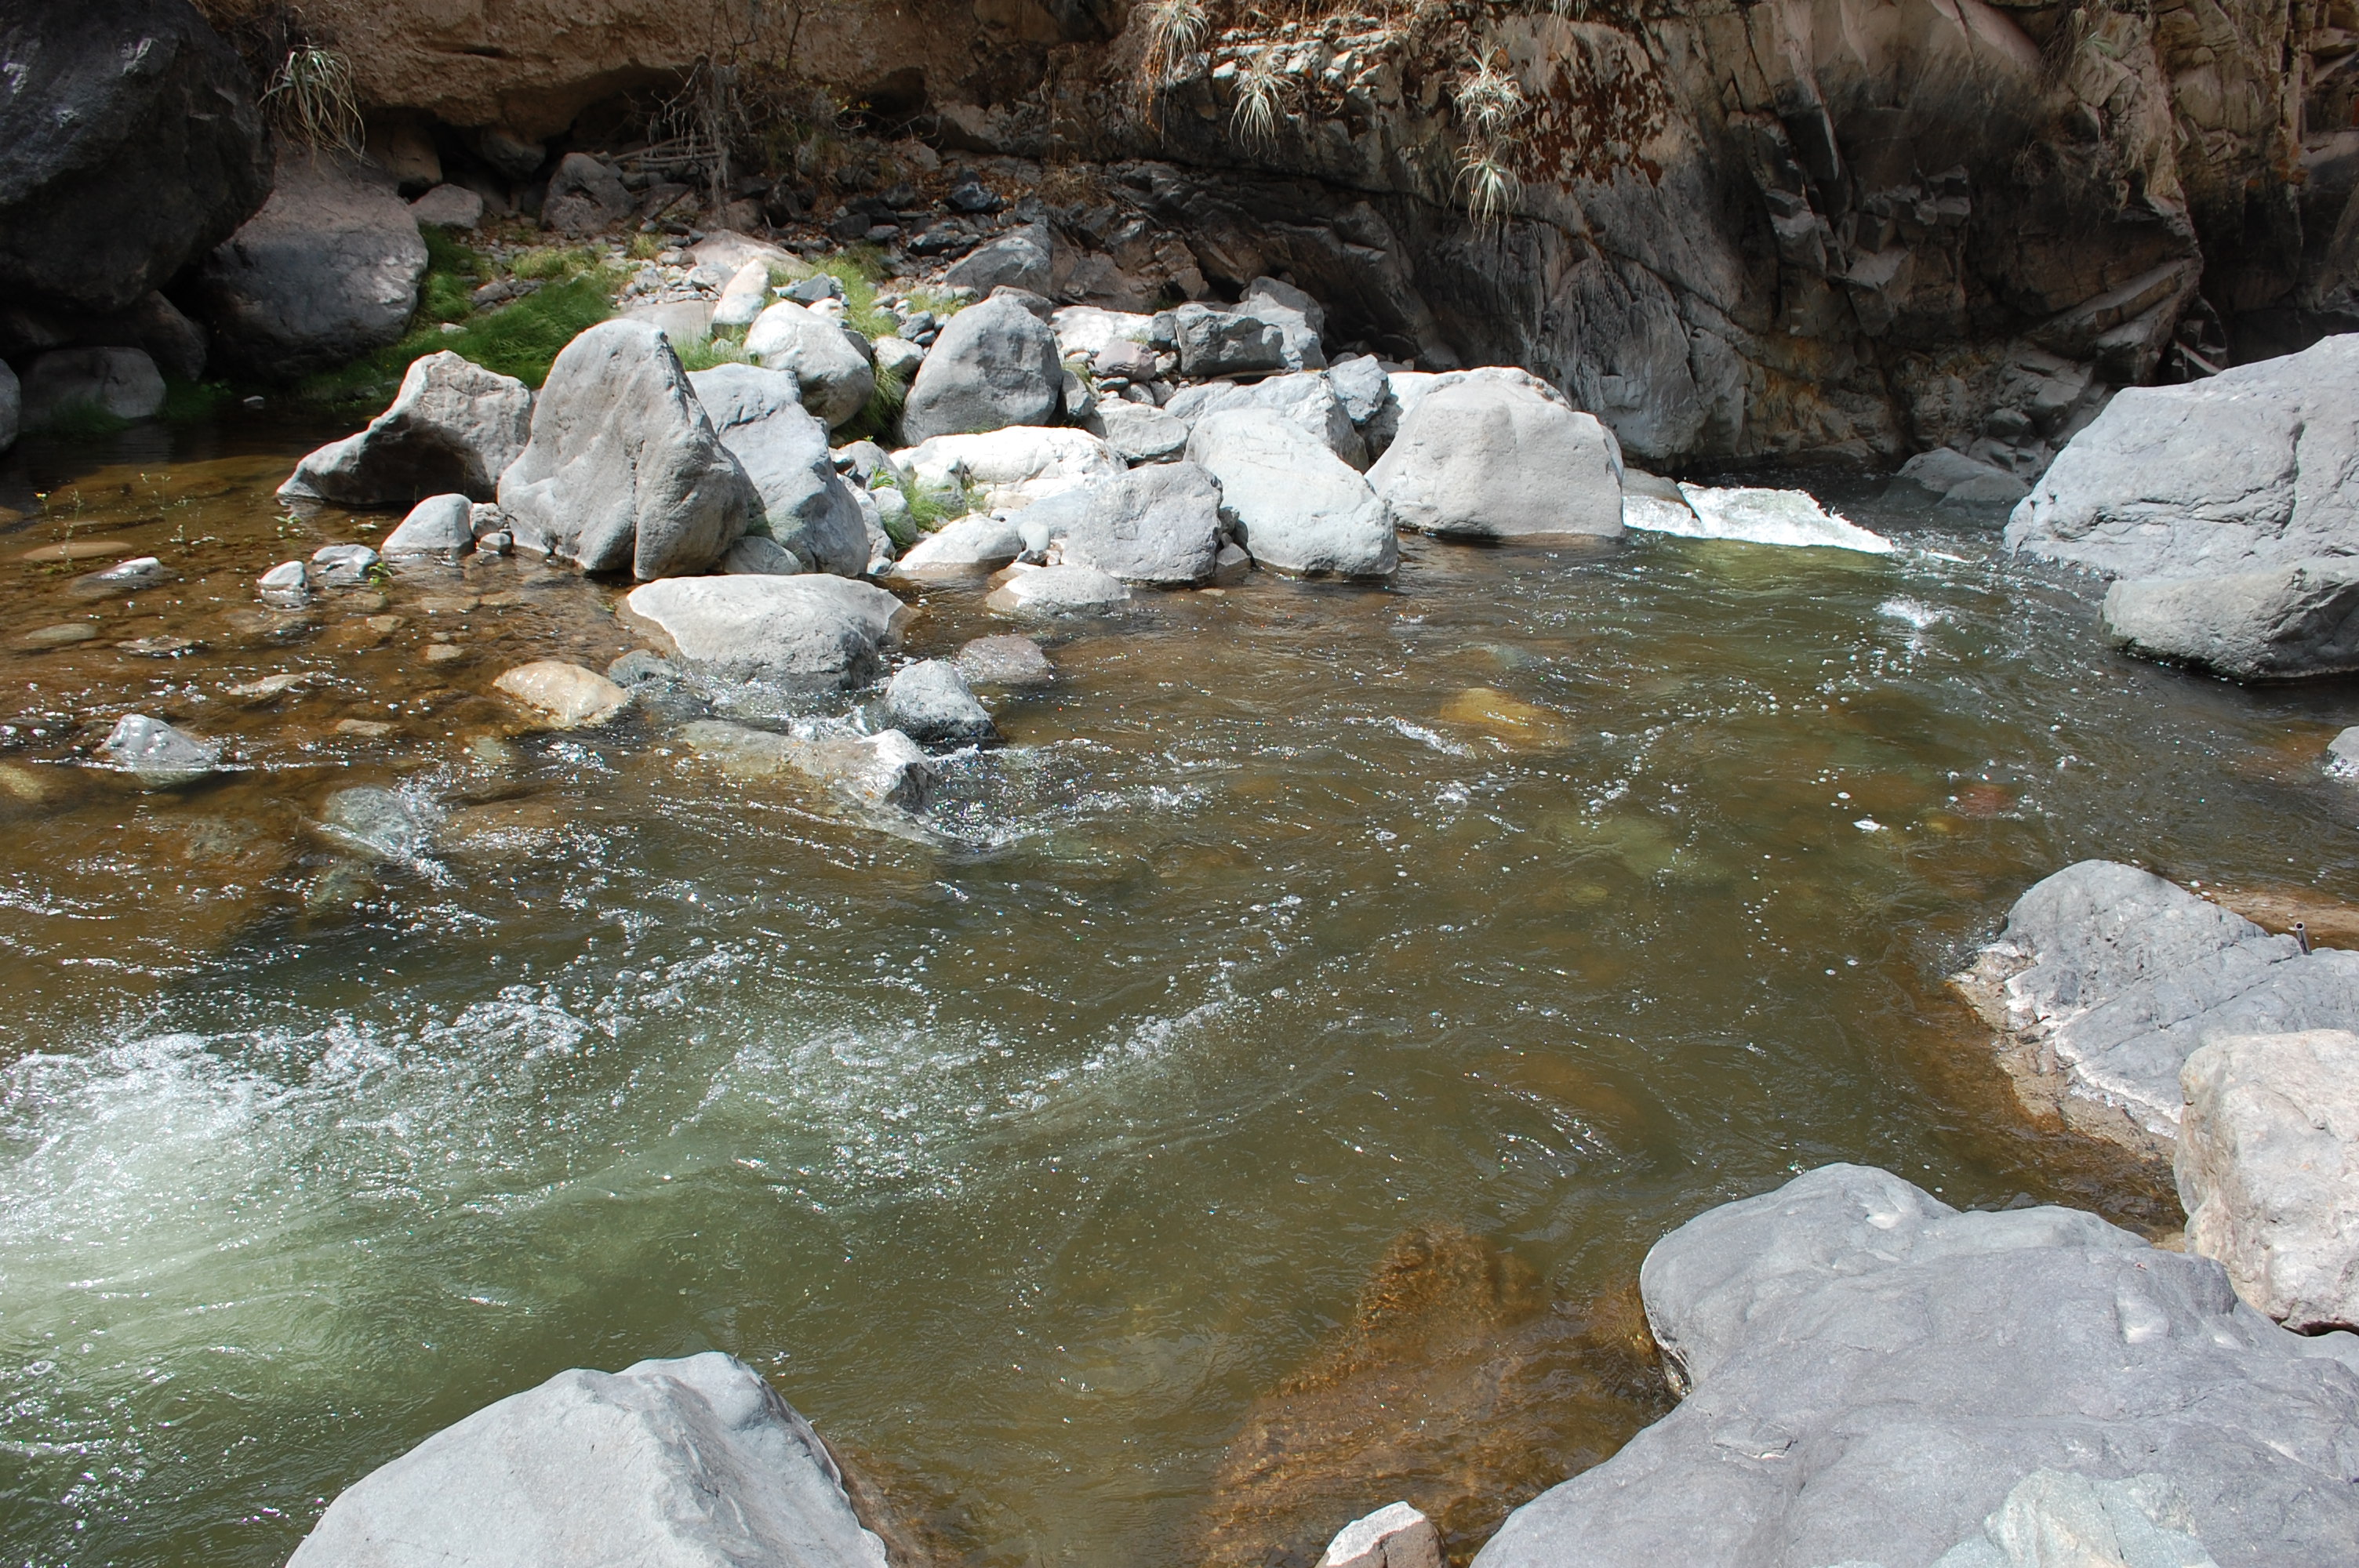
(1547, 898)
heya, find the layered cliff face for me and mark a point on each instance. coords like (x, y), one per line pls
(1803, 228)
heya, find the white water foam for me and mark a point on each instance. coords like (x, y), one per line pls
(1754, 517)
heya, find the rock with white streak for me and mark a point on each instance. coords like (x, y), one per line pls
(814, 631)
(1870, 1376)
(682, 1463)
(624, 471)
(1394, 1536)
(2107, 977)
(1010, 468)
(1486, 460)
(1291, 502)
(836, 378)
(453, 426)
(2267, 1170)
(805, 504)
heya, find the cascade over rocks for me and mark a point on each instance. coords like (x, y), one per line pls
(453, 427)
(623, 471)
(1871, 1375)
(130, 145)
(667, 1464)
(804, 503)
(326, 271)
(2107, 977)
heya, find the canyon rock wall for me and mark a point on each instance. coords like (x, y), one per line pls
(1830, 229)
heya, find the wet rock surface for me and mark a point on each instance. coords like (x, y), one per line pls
(1871, 1373)
(2284, 622)
(929, 701)
(2107, 977)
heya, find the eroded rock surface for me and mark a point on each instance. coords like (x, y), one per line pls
(453, 426)
(1871, 1374)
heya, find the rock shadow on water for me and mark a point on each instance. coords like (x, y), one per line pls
(1462, 1384)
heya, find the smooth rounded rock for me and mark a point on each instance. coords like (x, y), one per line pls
(1047, 592)
(1291, 502)
(118, 383)
(814, 630)
(929, 702)
(439, 524)
(566, 696)
(995, 365)
(1491, 460)
(836, 378)
(156, 754)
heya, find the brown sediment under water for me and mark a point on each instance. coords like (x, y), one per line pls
(1247, 1101)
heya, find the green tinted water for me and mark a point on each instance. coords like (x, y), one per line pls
(1550, 897)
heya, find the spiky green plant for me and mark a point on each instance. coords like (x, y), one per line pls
(1175, 32)
(1489, 184)
(1261, 85)
(1489, 100)
(312, 100)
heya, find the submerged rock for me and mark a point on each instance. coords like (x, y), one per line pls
(2267, 1170)
(1048, 591)
(882, 771)
(929, 701)
(813, 629)
(623, 471)
(453, 426)
(1004, 660)
(566, 696)
(2107, 977)
(806, 504)
(1295, 505)
(343, 565)
(2255, 467)
(1484, 460)
(1871, 1374)
(382, 824)
(2279, 622)
(156, 754)
(666, 1464)
(995, 365)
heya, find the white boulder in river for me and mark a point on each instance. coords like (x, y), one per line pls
(813, 629)
(835, 376)
(1297, 506)
(2108, 978)
(624, 471)
(1870, 1376)
(2268, 1170)
(687, 1464)
(2276, 623)
(806, 505)
(1157, 525)
(1492, 460)
(1011, 466)
(2255, 467)
(453, 427)
(993, 365)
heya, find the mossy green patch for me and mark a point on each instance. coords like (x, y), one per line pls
(519, 339)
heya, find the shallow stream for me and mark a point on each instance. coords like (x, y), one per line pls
(1249, 1104)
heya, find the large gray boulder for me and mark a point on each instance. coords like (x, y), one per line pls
(685, 1464)
(2276, 622)
(993, 365)
(623, 471)
(1490, 460)
(121, 384)
(455, 426)
(836, 378)
(1870, 1375)
(1295, 505)
(805, 504)
(584, 195)
(1138, 432)
(1217, 343)
(2107, 977)
(1306, 397)
(2255, 467)
(2268, 1171)
(1157, 525)
(815, 630)
(130, 145)
(929, 701)
(326, 272)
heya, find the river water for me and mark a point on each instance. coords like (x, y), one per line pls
(1247, 1105)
